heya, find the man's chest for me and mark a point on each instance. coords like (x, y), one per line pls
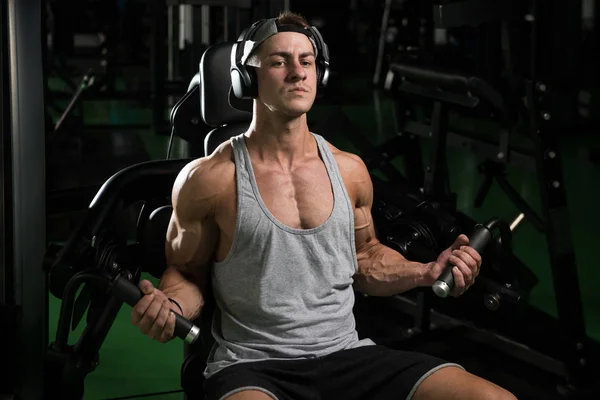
(300, 199)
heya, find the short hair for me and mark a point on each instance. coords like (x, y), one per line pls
(285, 18)
(291, 18)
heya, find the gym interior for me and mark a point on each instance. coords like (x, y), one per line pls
(471, 115)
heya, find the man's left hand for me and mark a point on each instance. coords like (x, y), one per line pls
(466, 260)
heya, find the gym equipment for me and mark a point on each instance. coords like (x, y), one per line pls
(480, 237)
(23, 296)
(474, 12)
(421, 229)
(127, 292)
(99, 256)
(192, 26)
(527, 118)
(406, 29)
(186, 121)
(86, 82)
(492, 317)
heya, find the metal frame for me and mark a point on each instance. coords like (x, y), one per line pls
(8, 311)
(542, 92)
(549, 113)
(26, 183)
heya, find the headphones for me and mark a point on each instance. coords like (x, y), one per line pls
(243, 77)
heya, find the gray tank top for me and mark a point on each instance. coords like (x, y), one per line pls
(284, 293)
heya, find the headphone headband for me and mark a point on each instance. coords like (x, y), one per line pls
(243, 78)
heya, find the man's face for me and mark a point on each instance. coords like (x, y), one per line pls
(286, 76)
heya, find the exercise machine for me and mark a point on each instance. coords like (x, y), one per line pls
(526, 122)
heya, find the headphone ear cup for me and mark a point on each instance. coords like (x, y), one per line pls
(237, 83)
(251, 83)
(243, 82)
(322, 74)
(319, 73)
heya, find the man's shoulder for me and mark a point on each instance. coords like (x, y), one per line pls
(207, 176)
(355, 175)
(348, 163)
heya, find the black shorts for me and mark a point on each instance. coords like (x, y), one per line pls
(369, 372)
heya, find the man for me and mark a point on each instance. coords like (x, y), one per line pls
(280, 221)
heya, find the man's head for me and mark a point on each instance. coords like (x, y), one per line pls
(281, 62)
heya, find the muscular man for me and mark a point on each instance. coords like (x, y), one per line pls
(280, 221)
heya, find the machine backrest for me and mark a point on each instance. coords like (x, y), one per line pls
(186, 121)
(219, 107)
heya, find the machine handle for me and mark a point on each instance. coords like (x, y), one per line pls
(127, 292)
(480, 237)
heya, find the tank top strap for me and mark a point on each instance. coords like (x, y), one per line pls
(343, 202)
(242, 169)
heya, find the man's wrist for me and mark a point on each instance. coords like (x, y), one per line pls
(423, 276)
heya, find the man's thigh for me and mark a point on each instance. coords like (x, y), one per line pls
(376, 373)
(249, 395)
(261, 380)
(455, 383)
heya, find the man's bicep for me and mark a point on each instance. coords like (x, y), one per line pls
(190, 244)
(192, 233)
(364, 229)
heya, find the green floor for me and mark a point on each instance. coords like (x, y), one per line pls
(131, 364)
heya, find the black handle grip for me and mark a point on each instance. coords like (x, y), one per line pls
(129, 293)
(480, 237)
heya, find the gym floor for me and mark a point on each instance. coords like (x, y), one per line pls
(133, 366)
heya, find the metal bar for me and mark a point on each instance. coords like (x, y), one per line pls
(6, 290)
(205, 24)
(175, 88)
(516, 221)
(27, 141)
(498, 341)
(157, 64)
(472, 12)
(413, 160)
(232, 3)
(521, 157)
(434, 186)
(170, 42)
(520, 203)
(95, 332)
(225, 23)
(381, 46)
(545, 86)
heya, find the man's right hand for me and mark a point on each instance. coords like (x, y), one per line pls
(154, 314)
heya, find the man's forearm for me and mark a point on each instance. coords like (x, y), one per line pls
(383, 271)
(184, 290)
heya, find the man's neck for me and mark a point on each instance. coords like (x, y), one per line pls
(281, 141)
